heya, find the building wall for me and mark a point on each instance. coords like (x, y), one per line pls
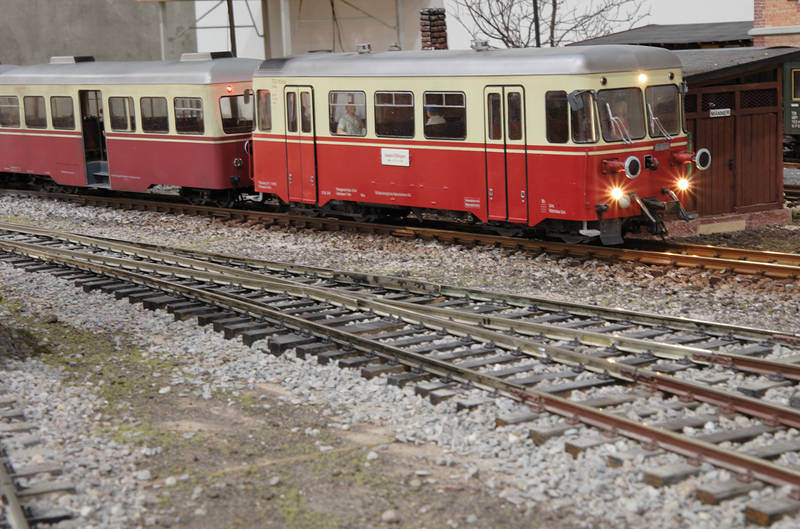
(34, 30)
(312, 25)
(776, 14)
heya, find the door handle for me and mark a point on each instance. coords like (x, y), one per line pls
(730, 164)
(491, 192)
(290, 178)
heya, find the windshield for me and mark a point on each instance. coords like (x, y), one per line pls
(621, 114)
(663, 109)
(237, 113)
(583, 120)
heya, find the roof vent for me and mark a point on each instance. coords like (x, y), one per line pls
(364, 48)
(205, 56)
(70, 59)
(479, 45)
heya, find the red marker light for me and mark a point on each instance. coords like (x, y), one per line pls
(229, 89)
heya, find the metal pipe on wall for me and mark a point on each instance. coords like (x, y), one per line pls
(232, 27)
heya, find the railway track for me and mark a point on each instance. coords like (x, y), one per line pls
(652, 377)
(21, 484)
(791, 194)
(713, 258)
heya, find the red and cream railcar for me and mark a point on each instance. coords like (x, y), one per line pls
(130, 125)
(578, 142)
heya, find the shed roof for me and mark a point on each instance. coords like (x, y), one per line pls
(665, 34)
(200, 72)
(715, 63)
(437, 63)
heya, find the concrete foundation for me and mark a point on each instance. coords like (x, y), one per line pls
(728, 223)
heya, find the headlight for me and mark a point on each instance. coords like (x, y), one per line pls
(238, 163)
(683, 184)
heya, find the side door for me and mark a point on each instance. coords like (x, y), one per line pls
(506, 153)
(301, 157)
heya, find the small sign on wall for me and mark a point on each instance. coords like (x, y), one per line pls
(398, 157)
(719, 112)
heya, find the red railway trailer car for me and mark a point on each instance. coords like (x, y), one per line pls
(131, 125)
(577, 143)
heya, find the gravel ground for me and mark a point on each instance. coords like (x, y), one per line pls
(538, 481)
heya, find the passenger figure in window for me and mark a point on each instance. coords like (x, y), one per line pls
(433, 116)
(350, 124)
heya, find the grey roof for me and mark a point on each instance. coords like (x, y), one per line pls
(678, 34)
(436, 63)
(699, 65)
(140, 72)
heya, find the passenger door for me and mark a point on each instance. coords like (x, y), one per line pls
(94, 139)
(506, 155)
(301, 159)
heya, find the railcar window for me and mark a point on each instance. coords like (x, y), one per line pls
(291, 111)
(9, 112)
(556, 112)
(154, 114)
(264, 110)
(621, 114)
(35, 112)
(394, 114)
(189, 115)
(347, 112)
(305, 111)
(514, 105)
(122, 113)
(445, 115)
(494, 116)
(583, 121)
(62, 112)
(237, 114)
(663, 109)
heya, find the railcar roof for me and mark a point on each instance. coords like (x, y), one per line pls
(437, 63)
(198, 72)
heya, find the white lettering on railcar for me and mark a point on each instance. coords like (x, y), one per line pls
(719, 112)
(392, 194)
(396, 157)
(345, 191)
(472, 203)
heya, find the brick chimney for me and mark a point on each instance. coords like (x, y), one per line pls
(433, 28)
(776, 23)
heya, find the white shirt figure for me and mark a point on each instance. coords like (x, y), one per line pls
(350, 124)
(434, 118)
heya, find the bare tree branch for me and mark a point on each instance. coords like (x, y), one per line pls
(512, 23)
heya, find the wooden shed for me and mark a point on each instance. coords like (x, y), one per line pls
(734, 108)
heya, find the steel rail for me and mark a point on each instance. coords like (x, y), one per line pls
(722, 252)
(164, 253)
(771, 413)
(773, 270)
(9, 502)
(221, 274)
(696, 450)
(191, 266)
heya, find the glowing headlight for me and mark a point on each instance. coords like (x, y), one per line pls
(683, 184)
(642, 78)
(617, 193)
